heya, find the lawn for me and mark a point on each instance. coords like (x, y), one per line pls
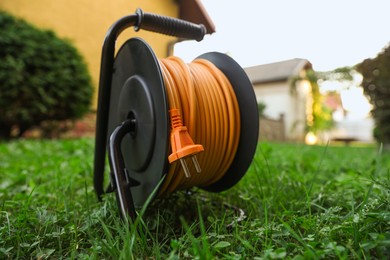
(299, 202)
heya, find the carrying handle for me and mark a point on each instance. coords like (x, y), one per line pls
(169, 26)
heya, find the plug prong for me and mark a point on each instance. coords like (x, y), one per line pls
(185, 168)
(196, 163)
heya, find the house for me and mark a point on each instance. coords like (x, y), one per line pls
(351, 116)
(288, 103)
(85, 22)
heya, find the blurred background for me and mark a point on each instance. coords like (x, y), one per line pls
(309, 63)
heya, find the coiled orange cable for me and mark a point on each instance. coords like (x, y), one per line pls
(206, 101)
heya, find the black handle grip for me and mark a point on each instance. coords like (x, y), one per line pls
(169, 26)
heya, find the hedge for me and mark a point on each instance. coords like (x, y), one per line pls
(42, 78)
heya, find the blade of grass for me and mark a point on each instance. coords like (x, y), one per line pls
(299, 239)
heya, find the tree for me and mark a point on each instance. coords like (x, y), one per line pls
(321, 117)
(376, 85)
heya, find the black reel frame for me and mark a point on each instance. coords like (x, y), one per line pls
(132, 114)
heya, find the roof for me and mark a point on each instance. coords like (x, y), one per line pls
(278, 71)
(194, 11)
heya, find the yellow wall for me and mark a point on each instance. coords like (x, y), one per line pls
(85, 22)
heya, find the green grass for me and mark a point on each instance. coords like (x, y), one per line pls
(300, 202)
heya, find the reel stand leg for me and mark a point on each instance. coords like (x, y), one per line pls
(120, 179)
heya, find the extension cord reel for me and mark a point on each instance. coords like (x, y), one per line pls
(133, 113)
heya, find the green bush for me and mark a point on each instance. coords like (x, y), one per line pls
(261, 106)
(42, 78)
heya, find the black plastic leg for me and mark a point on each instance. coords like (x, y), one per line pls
(120, 179)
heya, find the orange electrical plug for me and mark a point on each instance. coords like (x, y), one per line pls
(182, 143)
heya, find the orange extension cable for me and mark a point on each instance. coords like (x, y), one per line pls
(204, 116)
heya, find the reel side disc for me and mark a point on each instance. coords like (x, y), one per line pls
(138, 94)
(249, 119)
